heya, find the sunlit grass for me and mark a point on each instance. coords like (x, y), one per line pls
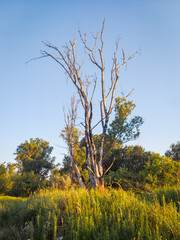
(96, 214)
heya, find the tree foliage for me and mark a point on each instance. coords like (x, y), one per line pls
(5, 178)
(35, 156)
(122, 129)
(160, 171)
(27, 183)
(133, 158)
(174, 152)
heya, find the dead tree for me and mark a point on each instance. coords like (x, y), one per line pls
(70, 119)
(67, 60)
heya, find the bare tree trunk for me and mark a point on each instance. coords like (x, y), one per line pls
(78, 174)
(71, 173)
(69, 131)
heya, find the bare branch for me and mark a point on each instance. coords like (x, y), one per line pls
(95, 81)
(85, 44)
(36, 58)
(113, 69)
(61, 147)
(129, 94)
(109, 167)
(90, 50)
(90, 170)
(102, 69)
(68, 61)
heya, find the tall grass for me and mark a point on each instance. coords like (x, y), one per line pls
(96, 214)
(171, 194)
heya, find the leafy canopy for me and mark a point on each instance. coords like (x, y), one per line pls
(121, 127)
(35, 156)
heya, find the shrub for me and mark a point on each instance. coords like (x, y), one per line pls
(160, 171)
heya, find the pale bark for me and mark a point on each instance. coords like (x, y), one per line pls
(68, 62)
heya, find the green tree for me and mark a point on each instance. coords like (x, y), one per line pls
(122, 130)
(133, 158)
(174, 152)
(5, 178)
(35, 156)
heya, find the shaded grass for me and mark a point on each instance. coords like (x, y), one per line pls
(96, 214)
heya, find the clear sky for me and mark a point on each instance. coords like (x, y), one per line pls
(32, 95)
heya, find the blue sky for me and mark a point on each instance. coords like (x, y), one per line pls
(32, 95)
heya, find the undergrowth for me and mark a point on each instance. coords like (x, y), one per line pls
(96, 214)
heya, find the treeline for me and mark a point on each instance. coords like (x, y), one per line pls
(130, 167)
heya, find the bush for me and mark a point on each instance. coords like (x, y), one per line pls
(122, 178)
(160, 171)
(26, 184)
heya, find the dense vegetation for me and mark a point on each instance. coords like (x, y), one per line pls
(140, 201)
(133, 168)
(96, 214)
